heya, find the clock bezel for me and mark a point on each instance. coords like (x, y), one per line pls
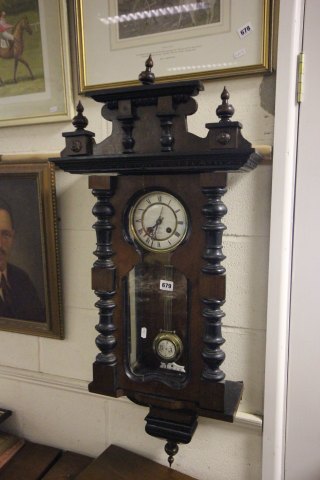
(174, 339)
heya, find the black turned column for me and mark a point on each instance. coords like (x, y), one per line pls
(103, 271)
(213, 212)
(104, 278)
(213, 227)
(127, 117)
(166, 113)
(166, 139)
(212, 354)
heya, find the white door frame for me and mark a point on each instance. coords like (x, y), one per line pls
(281, 233)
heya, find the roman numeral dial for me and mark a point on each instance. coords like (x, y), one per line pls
(158, 221)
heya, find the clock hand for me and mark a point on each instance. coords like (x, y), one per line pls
(152, 231)
(154, 235)
(158, 222)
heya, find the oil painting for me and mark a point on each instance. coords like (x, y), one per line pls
(35, 80)
(21, 60)
(29, 282)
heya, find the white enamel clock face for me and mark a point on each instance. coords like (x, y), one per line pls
(166, 349)
(158, 221)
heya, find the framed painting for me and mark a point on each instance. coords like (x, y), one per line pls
(30, 290)
(35, 82)
(187, 39)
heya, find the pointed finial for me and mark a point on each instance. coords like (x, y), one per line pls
(225, 111)
(147, 77)
(171, 449)
(80, 121)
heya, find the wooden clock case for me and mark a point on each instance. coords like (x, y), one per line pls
(150, 148)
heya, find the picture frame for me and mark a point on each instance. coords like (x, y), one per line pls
(40, 91)
(187, 39)
(29, 255)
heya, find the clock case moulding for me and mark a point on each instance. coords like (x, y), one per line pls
(150, 148)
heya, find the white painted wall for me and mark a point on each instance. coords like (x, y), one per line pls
(44, 381)
(281, 236)
(302, 430)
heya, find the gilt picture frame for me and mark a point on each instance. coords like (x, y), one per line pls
(35, 78)
(187, 39)
(30, 300)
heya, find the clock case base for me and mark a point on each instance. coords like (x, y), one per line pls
(165, 419)
(179, 426)
(150, 138)
(219, 401)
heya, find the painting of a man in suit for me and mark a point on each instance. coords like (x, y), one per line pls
(18, 296)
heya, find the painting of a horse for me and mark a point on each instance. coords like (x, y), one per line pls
(15, 48)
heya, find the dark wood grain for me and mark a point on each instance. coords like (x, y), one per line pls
(116, 463)
(30, 463)
(68, 466)
(150, 135)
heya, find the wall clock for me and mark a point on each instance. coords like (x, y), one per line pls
(159, 274)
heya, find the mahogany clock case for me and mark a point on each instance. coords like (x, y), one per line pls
(157, 386)
(160, 349)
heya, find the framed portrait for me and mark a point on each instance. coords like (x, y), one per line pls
(187, 39)
(35, 81)
(30, 289)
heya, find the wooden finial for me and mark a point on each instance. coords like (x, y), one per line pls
(80, 121)
(225, 111)
(171, 449)
(147, 77)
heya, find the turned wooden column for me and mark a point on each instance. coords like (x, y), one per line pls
(103, 270)
(213, 188)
